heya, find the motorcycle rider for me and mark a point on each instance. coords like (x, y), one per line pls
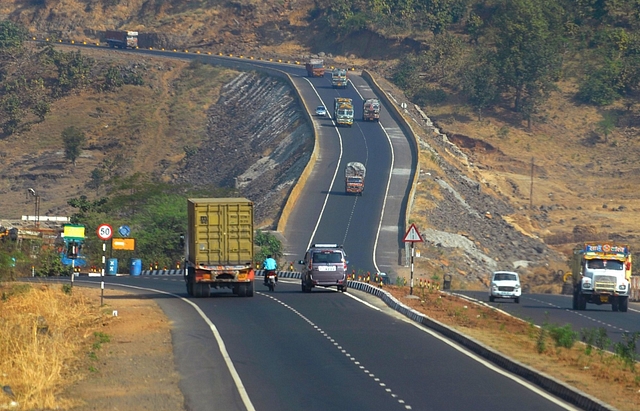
(268, 265)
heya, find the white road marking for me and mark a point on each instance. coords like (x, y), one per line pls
(339, 347)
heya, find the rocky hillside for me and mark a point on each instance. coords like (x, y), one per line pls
(257, 141)
(477, 198)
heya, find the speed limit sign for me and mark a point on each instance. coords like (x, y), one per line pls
(104, 232)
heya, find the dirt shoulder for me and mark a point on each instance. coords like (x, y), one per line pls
(135, 369)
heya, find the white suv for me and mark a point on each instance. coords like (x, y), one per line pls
(505, 284)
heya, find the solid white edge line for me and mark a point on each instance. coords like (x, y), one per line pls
(214, 330)
(362, 301)
(493, 367)
(481, 360)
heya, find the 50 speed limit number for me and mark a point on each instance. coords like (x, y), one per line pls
(104, 231)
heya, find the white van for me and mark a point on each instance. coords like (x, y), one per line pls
(505, 284)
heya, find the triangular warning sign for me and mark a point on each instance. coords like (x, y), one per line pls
(412, 235)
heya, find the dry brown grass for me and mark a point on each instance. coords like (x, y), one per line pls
(597, 373)
(45, 336)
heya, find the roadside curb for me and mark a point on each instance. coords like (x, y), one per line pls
(177, 271)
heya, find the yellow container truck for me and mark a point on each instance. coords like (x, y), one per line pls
(219, 246)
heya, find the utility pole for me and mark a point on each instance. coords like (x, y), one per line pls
(37, 205)
(531, 187)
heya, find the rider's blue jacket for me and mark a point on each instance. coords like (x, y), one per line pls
(270, 264)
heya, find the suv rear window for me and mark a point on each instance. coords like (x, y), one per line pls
(327, 257)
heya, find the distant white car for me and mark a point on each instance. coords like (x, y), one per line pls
(505, 284)
(321, 111)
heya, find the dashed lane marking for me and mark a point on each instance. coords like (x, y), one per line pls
(336, 344)
(582, 314)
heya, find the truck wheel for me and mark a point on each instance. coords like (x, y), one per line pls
(623, 304)
(614, 304)
(190, 289)
(205, 290)
(516, 300)
(242, 290)
(575, 300)
(249, 289)
(492, 299)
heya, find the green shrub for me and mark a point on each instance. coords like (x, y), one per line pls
(563, 336)
(51, 265)
(626, 349)
(541, 343)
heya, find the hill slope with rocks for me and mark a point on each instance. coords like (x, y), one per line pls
(476, 198)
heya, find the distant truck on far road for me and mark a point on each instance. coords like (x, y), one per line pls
(339, 78)
(354, 178)
(371, 110)
(122, 39)
(343, 111)
(315, 68)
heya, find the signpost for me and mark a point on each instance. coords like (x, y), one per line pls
(73, 235)
(123, 244)
(412, 236)
(105, 232)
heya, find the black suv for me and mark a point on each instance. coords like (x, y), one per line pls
(324, 265)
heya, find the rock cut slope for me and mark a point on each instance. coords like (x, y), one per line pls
(257, 141)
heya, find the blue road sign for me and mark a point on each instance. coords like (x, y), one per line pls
(124, 230)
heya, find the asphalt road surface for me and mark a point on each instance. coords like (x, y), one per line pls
(321, 351)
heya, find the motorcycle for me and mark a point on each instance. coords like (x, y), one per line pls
(270, 279)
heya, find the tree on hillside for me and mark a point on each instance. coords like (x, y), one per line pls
(73, 139)
(393, 16)
(113, 79)
(11, 107)
(12, 36)
(528, 36)
(444, 61)
(480, 84)
(74, 70)
(98, 177)
(158, 226)
(606, 125)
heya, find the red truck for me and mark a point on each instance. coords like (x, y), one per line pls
(354, 178)
(315, 68)
(122, 39)
(371, 110)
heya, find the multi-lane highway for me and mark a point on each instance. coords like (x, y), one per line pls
(325, 350)
(325, 213)
(289, 350)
